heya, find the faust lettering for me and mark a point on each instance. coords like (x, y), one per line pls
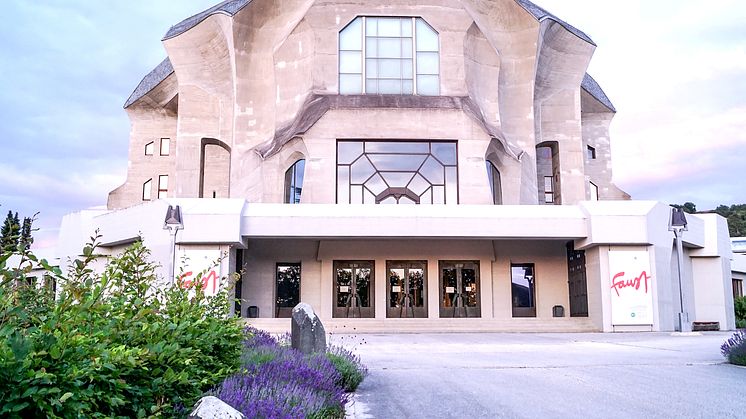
(618, 282)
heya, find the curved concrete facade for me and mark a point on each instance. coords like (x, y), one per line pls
(250, 88)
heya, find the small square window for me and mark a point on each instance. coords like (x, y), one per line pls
(149, 148)
(591, 153)
(165, 146)
(162, 186)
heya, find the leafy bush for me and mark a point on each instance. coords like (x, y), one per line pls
(740, 324)
(740, 306)
(351, 370)
(734, 349)
(112, 344)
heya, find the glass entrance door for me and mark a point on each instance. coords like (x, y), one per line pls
(459, 289)
(406, 289)
(353, 289)
(287, 288)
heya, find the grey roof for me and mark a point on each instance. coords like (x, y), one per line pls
(591, 86)
(228, 7)
(231, 7)
(152, 79)
(541, 14)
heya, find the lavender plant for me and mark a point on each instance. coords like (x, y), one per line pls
(734, 349)
(351, 370)
(280, 382)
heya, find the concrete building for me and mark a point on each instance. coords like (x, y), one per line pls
(739, 265)
(401, 165)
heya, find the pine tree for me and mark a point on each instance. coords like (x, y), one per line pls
(10, 233)
(26, 240)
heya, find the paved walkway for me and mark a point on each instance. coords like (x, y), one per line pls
(637, 375)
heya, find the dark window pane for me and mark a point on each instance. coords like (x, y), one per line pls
(288, 285)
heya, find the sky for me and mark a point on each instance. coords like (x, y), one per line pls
(674, 69)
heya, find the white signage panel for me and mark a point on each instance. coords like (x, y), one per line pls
(631, 285)
(192, 262)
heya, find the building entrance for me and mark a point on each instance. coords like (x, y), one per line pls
(459, 289)
(406, 288)
(353, 289)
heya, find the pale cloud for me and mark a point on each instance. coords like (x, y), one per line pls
(673, 68)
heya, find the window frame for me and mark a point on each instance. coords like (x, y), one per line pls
(167, 142)
(416, 21)
(450, 196)
(161, 188)
(286, 311)
(150, 148)
(497, 192)
(521, 311)
(147, 185)
(590, 152)
(290, 183)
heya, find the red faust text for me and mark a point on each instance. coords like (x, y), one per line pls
(620, 282)
(208, 280)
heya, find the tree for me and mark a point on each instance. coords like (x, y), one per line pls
(688, 207)
(736, 215)
(10, 233)
(25, 239)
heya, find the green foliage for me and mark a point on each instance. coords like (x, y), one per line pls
(351, 373)
(740, 324)
(10, 233)
(740, 305)
(113, 344)
(736, 215)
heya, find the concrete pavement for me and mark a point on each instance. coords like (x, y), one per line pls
(493, 375)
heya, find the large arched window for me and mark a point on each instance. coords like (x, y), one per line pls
(493, 176)
(294, 182)
(389, 55)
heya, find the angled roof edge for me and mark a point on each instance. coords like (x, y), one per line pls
(594, 89)
(152, 79)
(228, 7)
(541, 14)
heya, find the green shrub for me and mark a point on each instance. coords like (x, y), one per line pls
(740, 324)
(740, 306)
(112, 344)
(351, 371)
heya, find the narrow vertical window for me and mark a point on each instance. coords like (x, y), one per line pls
(495, 184)
(523, 290)
(165, 146)
(594, 191)
(351, 58)
(147, 189)
(294, 182)
(162, 186)
(591, 153)
(149, 148)
(548, 190)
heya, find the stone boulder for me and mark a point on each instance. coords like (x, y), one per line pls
(212, 408)
(307, 334)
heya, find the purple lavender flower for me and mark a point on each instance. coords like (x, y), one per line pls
(735, 348)
(289, 385)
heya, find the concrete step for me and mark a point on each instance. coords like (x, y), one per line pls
(536, 325)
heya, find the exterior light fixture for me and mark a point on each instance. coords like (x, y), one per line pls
(173, 223)
(677, 223)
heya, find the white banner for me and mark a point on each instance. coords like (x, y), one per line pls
(192, 262)
(631, 287)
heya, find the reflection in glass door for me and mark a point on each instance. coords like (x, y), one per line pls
(459, 289)
(523, 289)
(287, 288)
(407, 282)
(353, 289)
